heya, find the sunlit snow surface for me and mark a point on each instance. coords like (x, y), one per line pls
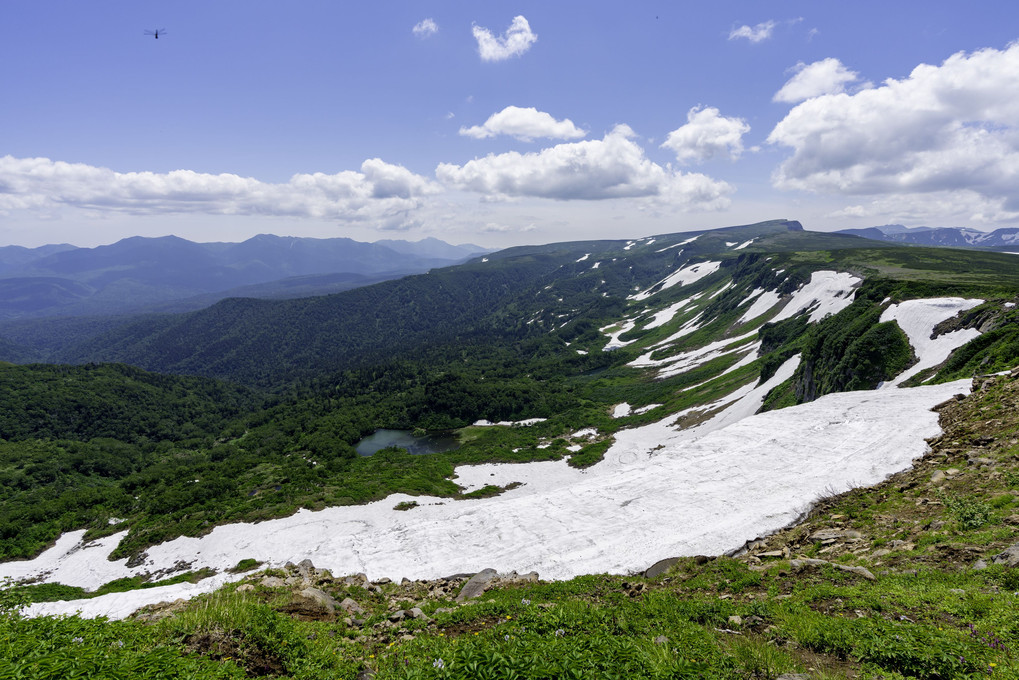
(681, 277)
(827, 292)
(659, 492)
(917, 319)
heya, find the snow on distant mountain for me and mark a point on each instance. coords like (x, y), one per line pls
(939, 236)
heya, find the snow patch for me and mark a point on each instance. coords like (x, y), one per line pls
(509, 423)
(614, 341)
(684, 276)
(666, 315)
(917, 319)
(586, 255)
(766, 299)
(826, 293)
(744, 244)
(621, 410)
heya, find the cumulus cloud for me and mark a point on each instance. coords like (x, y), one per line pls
(707, 134)
(754, 34)
(827, 76)
(380, 192)
(612, 167)
(949, 130)
(524, 124)
(425, 28)
(517, 39)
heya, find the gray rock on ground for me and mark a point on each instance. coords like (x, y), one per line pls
(476, 585)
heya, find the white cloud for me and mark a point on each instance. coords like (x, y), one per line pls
(754, 34)
(524, 124)
(612, 167)
(425, 28)
(827, 76)
(962, 206)
(707, 134)
(380, 192)
(948, 131)
(517, 39)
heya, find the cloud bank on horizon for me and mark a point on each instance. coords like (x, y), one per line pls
(546, 132)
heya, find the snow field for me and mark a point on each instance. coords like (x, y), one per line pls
(666, 315)
(827, 292)
(683, 276)
(917, 319)
(766, 299)
(660, 492)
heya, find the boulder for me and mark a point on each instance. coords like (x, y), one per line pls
(476, 585)
(321, 598)
(348, 605)
(1009, 556)
(661, 566)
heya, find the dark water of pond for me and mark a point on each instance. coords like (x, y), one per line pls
(429, 443)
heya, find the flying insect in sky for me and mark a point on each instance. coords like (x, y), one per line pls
(156, 32)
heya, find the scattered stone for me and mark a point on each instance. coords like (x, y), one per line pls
(350, 606)
(273, 582)
(661, 640)
(938, 476)
(979, 565)
(772, 555)
(398, 616)
(1009, 556)
(245, 588)
(736, 620)
(804, 562)
(825, 536)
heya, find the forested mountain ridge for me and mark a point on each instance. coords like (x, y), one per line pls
(271, 343)
(139, 272)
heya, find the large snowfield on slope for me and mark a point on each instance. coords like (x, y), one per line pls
(660, 492)
(917, 319)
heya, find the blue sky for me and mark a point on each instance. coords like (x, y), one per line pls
(501, 123)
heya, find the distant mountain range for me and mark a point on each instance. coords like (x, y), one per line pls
(174, 274)
(952, 237)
